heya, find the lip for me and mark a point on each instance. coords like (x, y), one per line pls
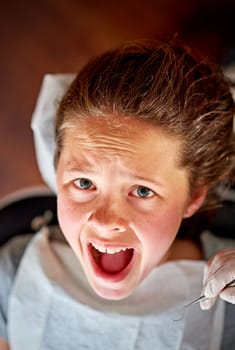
(116, 277)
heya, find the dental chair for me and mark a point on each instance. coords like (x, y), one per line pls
(23, 212)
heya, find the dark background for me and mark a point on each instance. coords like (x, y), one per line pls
(56, 36)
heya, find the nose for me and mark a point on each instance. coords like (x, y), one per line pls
(109, 217)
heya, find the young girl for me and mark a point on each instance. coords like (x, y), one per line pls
(143, 138)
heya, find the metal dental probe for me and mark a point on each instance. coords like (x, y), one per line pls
(203, 297)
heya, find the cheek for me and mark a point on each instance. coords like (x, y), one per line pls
(161, 229)
(70, 216)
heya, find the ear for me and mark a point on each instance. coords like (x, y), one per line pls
(196, 200)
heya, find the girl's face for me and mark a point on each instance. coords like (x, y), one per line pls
(121, 199)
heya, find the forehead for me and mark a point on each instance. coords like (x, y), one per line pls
(126, 138)
(118, 132)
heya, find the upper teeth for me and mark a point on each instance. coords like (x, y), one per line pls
(102, 249)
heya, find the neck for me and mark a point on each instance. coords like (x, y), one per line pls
(185, 249)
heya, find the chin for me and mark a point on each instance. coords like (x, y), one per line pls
(112, 293)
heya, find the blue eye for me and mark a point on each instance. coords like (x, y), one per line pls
(84, 184)
(144, 192)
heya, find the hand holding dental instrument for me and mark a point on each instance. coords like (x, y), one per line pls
(203, 297)
(219, 273)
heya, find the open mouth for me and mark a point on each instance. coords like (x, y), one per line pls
(111, 260)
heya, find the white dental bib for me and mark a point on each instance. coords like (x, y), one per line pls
(53, 307)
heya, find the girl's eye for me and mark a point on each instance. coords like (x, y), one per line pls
(84, 184)
(143, 192)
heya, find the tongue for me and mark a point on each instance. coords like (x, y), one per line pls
(114, 263)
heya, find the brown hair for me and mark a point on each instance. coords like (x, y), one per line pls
(164, 84)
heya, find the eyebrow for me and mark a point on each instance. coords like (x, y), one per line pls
(86, 166)
(76, 165)
(152, 181)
